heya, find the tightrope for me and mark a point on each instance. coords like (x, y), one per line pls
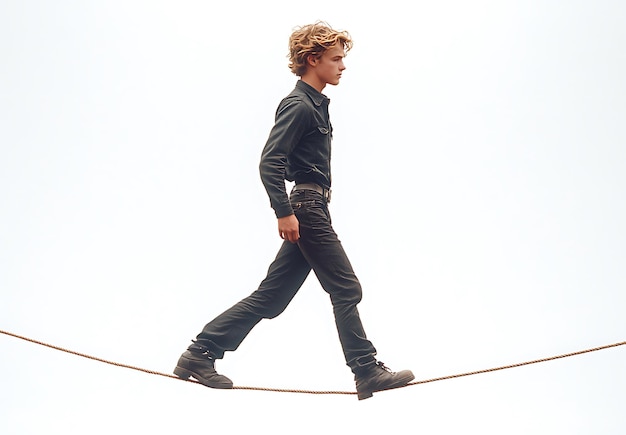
(290, 390)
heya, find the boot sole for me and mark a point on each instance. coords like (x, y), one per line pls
(367, 393)
(186, 374)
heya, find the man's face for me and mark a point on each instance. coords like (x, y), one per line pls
(329, 67)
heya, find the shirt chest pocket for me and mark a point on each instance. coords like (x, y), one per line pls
(324, 131)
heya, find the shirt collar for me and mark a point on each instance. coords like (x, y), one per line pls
(317, 97)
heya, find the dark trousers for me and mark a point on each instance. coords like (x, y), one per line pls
(318, 249)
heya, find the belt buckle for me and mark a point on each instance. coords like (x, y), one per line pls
(327, 194)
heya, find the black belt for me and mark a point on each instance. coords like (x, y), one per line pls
(312, 186)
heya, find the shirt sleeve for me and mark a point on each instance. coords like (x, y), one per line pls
(291, 123)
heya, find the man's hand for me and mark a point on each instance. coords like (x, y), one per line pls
(289, 228)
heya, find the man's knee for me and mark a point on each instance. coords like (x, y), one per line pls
(348, 296)
(266, 307)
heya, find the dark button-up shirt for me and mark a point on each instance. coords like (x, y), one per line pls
(298, 147)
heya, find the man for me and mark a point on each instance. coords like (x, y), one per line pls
(298, 150)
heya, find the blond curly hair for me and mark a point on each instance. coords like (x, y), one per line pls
(313, 40)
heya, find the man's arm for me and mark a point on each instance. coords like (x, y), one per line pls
(292, 119)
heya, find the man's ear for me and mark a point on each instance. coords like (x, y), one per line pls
(312, 60)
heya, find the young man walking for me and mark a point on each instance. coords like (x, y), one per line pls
(298, 150)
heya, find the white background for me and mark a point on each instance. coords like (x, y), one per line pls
(479, 187)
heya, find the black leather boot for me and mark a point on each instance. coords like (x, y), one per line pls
(377, 377)
(201, 366)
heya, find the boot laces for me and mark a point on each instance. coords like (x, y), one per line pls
(383, 366)
(202, 350)
(207, 355)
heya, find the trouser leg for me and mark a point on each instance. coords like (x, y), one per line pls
(322, 249)
(284, 278)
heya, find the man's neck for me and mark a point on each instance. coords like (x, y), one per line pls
(313, 82)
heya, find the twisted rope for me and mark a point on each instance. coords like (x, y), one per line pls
(328, 392)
